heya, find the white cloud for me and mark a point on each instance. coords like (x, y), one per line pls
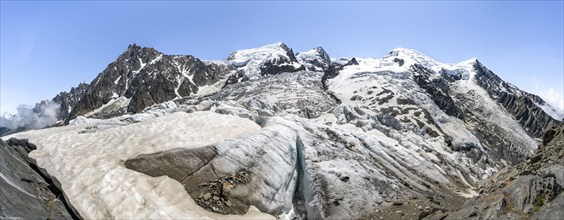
(43, 115)
(554, 98)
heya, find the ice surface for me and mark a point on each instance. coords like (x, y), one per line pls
(91, 170)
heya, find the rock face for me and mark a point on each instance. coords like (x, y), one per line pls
(141, 77)
(68, 100)
(438, 89)
(531, 189)
(27, 191)
(524, 106)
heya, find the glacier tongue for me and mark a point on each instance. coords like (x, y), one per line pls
(294, 163)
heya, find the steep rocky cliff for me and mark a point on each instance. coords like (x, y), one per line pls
(525, 107)
(68, 100)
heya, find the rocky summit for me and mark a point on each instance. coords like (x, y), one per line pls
(269, 133)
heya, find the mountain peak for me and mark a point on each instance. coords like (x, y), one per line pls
(408, 57)
(259, 52)
(315, 59)
(406, 52)
(276, 45)
(469, 62)
(316, 50)
(133, 46)
(269, 59)
(319, 49)
(144, 53)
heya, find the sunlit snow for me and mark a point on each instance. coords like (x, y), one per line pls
(93, 175)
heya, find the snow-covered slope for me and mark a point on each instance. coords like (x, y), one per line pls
(266, 60)
(315, 59)
(420, 93)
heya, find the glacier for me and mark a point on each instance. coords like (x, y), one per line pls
(272, 134)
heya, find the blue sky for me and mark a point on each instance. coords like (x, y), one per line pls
(48, 47)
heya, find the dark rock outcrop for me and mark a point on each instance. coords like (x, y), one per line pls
(146, 77)
(26, 191)
(353, 61)
(278, 66)
(437, 89)
(186, 167)
(68, 100)
(519, 103)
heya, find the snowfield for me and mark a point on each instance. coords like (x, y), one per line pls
(90, 165)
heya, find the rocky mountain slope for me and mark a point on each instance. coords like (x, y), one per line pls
(270, 132)
(69, 100)
(530, 190)
(141, 77)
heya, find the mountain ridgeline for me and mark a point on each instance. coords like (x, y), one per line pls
(141, 77)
